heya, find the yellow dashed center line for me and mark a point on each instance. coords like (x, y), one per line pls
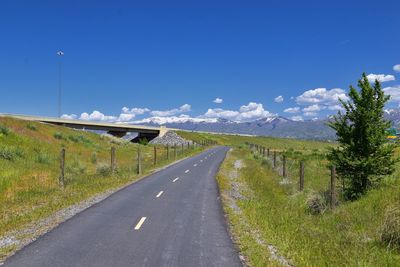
(137, 227)
(176, 179)
(159, 194)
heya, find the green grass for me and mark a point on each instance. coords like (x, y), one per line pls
(29, 169)
(346, 236)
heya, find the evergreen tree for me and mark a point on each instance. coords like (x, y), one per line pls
(364, 155)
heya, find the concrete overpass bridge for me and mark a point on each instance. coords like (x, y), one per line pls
(115, 129)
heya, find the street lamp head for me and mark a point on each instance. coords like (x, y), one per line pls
(60, 53)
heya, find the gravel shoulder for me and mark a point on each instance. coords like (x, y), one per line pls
(235, 191)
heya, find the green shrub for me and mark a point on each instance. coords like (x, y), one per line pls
(76, 167)
(59, 136)
(103, 169)
(79, 139)
(73, 138)
(10, 153)
(317, 203)
(43, 158)
(266, 162)
(4, 130)
(31, 126)
(93, 158)
(143, 141)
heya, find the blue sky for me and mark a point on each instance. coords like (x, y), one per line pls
(173, 58)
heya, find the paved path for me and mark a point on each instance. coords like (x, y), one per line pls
(171, 218)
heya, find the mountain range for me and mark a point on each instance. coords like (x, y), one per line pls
(276, 126)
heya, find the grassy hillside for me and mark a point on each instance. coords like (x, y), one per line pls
(271, 219)
(29, 169)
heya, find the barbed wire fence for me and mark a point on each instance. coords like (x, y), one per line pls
(297, 169)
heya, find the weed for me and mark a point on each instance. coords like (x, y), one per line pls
(103, 169)
(43, 158)
(93, 158)
(389, 232)
(59, 136)
(317, 203)
(76, 167)
(31, 126)
(4, 130)
(10, 153)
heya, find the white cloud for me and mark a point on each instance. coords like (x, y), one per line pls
(124, 117)
(396, 67)
(171, 112)
(394, 92)
(252, 111)
(221, 113)
(312, 108)
(310, 114)
(278, 99)
(69, 116)
(292, 110)
(128, 114)
(97, 116)
(380, 77)
(249, 112)
(296, 118)
(323, 97)
(185, 108)
(135, 111)
(218, 100)
(336, 107)
(174, 119)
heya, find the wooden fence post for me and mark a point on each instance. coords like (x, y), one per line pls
(263, 151)
(155, 155)
(62, 168)
(139, 161)
(175, 151)
(274, 159)
(333, 187)
(113, 160)
(284, 166)
(301, 175)
(182, 147)
(267, 152)
(167, 152)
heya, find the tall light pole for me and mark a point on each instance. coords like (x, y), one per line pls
(59, 55)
